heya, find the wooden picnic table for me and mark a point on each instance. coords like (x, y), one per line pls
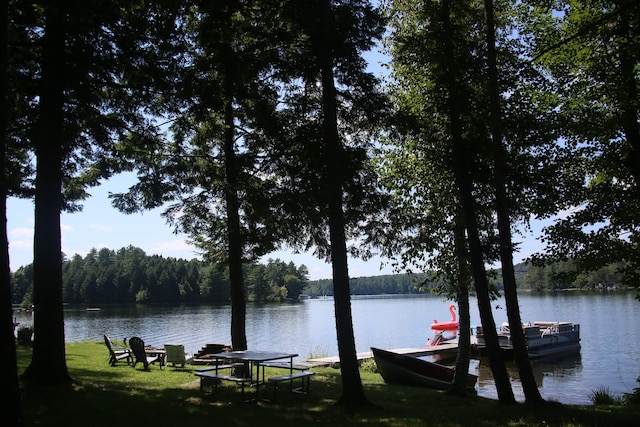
(256, 359)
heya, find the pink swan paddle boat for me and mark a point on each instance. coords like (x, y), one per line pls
(452, 324)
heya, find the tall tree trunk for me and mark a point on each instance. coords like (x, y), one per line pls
(238, 297)
(496, 360)
(460, 384)
(48, 365)
(461, 168)
(521, 355)
(10, 406)
(352, 390)
(467, 217)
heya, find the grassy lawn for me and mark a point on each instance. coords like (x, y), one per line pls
(122, 396)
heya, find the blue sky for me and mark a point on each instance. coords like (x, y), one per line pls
(101, 225)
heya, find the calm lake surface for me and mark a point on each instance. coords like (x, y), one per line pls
(609, 358)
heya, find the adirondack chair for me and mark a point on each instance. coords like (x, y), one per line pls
(140, 354)
(117, 354)
(175, 354)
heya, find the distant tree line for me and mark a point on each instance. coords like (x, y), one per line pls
(129, 275)
(557, 276)
(564, 275)
(377, 285)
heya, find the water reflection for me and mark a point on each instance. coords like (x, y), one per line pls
(547, 372)
(551, 375)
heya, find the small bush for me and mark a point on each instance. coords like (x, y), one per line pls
(602, 396)
(369, 365)
(632, 398)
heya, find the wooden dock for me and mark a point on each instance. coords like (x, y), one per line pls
(334, 361)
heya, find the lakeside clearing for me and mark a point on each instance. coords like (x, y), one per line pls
(102, 395)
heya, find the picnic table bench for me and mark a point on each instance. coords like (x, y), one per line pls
(256, 361)
(303, 375)
(206, 376)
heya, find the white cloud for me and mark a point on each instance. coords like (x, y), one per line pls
(21, 238)
(21, 233)
(179, 245)
(21, 244)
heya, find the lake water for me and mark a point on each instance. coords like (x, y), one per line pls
(609, 357)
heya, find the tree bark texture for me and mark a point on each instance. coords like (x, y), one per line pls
(460, 384)
(521, 355)
(48, 364)
(238, 297)
(10, 406)
(352, 390)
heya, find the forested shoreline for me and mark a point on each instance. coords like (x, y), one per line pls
(129, 275)
(558, 276)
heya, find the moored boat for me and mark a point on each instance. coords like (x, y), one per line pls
(404, 369)
(543, 339)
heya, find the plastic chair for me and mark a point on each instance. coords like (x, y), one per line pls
(117, 354)
(175, 354)
(140, 354)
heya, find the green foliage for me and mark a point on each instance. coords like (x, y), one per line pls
(130, 276)
(275, 281)
(563, 275)
(528, 276)
(369, 365)
(439, 87)
(142, 296)
(416, 165)
(602, 396)
(589, 51)
(632, 398)
(305, 159)
(376, 285)
(212, 173)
